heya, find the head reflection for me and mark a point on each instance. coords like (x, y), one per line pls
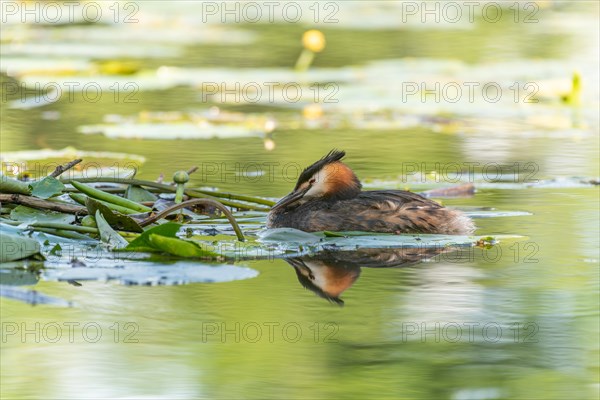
(329, 273)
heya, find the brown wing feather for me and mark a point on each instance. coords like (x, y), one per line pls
(399, 211)
(401, 197)
(393, 211)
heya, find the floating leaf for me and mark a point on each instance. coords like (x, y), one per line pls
(149, 273)
(63, 233)
(179, 247)
(47, 187)
(496, 214)
(182, 130)
(15, 247)
(212, 123)
(101, 162)
(142, 243)
(28, 214)
(115, 220)
(289, 235)
(47, 237)
(345, 241)
(56, 249)
(107, 234)
(164, 238)
(139, 194)
(252, 250)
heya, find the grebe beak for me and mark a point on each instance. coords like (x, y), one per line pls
(290, 199)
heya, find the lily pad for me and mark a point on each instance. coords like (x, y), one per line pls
(107, 234)
(47, 187)
(114, 219)
(68, 153)
(16, 247)
(148, 273)
(163, 238)
(28, 214)
(345, 241)
(288, 235)
(205, 124)
(496, 214)
(142, 243)
(179, 247)
(173, 131)
(139, 194)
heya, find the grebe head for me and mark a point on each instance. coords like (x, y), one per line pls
(326, 179)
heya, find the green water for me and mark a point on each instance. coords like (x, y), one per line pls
(519, 322)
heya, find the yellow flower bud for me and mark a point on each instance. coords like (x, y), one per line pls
(313, 40)
(312, 111)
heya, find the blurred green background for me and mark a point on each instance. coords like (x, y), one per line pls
(373, 52)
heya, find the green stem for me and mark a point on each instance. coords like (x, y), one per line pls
(304, 61)
(42, 226)
(10, 185)
(63, 233)
(66, 227)
(170, 189)
(234, 196)
(179, 193)
(211, 202)
(104, 189)
(81, 199)
(110, 198)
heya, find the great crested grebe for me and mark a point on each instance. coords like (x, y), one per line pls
(328, 197)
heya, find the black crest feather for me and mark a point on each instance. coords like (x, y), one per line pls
(331, 157)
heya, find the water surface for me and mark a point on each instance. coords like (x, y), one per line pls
(520, 321)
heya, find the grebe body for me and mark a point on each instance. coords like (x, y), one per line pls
(328, 197)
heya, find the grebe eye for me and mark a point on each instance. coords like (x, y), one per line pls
(313, 180)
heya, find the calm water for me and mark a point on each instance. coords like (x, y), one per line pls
(521, 321)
